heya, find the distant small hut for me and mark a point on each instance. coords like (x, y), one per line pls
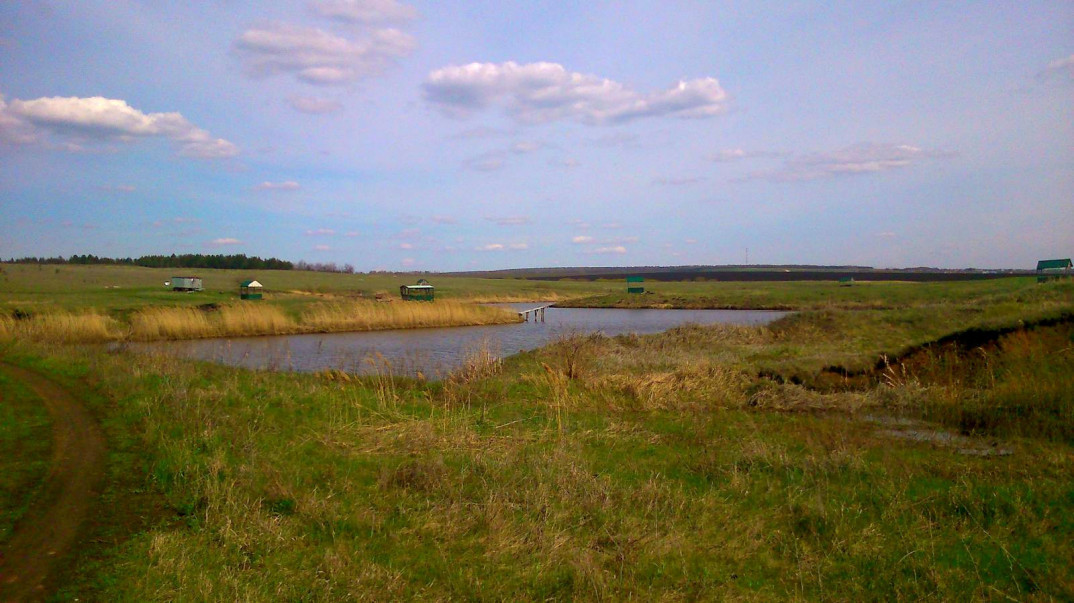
(250, 290)
(186, 283)
(846, 281)
(422, 291)
(1050, 270)
(634, 284)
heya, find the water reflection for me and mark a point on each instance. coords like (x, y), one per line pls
(435, 352)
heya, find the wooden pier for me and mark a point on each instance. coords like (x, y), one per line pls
(538, 313)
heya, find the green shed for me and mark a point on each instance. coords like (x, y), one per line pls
(1048, 270)
(250, 290)
(422, 292)
(634, 284)
(846, 281)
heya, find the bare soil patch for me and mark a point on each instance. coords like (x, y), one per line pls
(46, 535)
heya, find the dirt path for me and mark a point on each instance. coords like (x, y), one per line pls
(48, 531)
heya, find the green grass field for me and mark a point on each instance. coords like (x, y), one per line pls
(705, 463)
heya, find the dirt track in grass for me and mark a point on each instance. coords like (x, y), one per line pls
(46, 535)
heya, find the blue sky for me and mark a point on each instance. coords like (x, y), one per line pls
(479, 135)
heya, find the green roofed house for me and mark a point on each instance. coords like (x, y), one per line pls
(250, 290)
(420, 292)
(634, 284)
(1049, 270)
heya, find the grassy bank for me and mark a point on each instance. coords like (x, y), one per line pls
(803, 295)
(702, 463)
(24, 450)
(247, 319)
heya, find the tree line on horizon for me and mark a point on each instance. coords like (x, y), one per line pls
(186, 260)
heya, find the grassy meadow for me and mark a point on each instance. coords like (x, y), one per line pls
(86, 304)
(889, 441)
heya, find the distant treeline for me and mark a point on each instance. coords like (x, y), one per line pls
(186, 260)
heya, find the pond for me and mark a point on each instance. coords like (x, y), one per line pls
(436, 352)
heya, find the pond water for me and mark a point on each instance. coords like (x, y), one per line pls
(435, 352)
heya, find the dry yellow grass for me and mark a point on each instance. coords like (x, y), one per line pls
(368, 315)
(170, 323)
(84, 327)
(248, 319)
(254, 319)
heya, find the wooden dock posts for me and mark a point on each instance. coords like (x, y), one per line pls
(538, 313)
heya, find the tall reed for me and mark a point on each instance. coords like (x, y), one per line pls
(83, 327)
(368, 315)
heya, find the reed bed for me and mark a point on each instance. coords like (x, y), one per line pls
(368, 315)
(81, 327)
(237, 320)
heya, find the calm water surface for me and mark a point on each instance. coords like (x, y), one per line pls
(436, 352)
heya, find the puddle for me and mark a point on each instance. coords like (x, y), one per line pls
(912, 430)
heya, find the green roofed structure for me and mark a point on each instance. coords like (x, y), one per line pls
(1048, 270)
(420, 292)
(250, 290)
(634, 284)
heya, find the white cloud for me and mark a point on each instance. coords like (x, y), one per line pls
(224, 242)
(582, 240)
(118, 188)
(76, 121)
(364, 11)
(864, 158)
(352, 233)
(729, 155)
(510, 221)
(320, 232)
(406, 246)
(487, 162)
(444, 220)
(526, 146)
(618, 249)
(286, 185)
(322, 248)
(318, 57)
(503, 247)
(543, 92)
(407, 261)
(1062, 68)
(313, 105)
(678, 181)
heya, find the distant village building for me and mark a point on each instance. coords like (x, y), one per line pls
(422, 291)
(1049, 270)
(846, 281)
(634, 284)
(186, 283)
(250, 290)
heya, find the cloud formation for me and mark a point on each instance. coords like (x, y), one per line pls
(287, 185)
(682, 181)
(224, 242)
(510, 220)
(364, 11)
(313, 105)
(1059, 68)
(544, 92)
(318, 57)
(729, 155)
(76, 121)
(863, 158)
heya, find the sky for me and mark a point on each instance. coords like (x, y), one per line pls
(478, 135)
